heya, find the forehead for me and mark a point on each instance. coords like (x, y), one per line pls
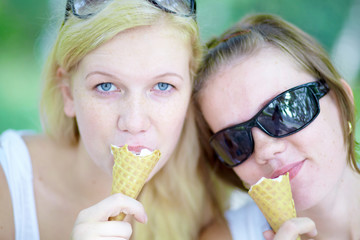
(145, 48)
(239, 90)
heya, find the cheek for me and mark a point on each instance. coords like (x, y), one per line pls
(170, 115)
(170, 128)
(170, 122)
(329, 133)
(329, 148)
(95, 122)
(249, 172)
(89, 115)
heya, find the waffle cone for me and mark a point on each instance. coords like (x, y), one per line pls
(130, 172)
(274, 198)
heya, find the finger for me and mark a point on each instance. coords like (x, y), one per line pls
(118, 229)
(106, 230)
(115, 229)
(269, 235)
(113, 206)
(296, 226)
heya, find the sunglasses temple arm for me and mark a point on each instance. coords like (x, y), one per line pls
(67, 12)
(320, 89)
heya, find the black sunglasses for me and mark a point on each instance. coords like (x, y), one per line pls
(286, 114)
(86, 8)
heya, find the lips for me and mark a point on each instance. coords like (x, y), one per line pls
(293, 169)
(137, 149)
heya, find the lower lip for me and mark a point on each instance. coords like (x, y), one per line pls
(295, 170)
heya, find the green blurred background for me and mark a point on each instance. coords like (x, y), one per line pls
(25, 34)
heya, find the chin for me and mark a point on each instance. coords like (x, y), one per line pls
(304, 202)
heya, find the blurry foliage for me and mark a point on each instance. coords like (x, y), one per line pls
(21, 21)
(22, 24)
(321, 19)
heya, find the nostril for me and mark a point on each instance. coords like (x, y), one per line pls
(134, 123)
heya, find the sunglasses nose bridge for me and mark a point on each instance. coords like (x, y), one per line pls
(257, 124)
(265, 147)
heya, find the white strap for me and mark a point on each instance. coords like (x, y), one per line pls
(16, 163)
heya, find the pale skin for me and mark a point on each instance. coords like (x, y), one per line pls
(325, 180)
(132, 90)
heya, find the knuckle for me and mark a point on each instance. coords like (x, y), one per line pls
(289, 226)
(80, 231)
(83, 215)
(127, 229)
(312, 224)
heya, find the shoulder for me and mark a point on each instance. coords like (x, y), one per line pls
(37, 142)
(16, 143)
(216, 230)
(47, 152)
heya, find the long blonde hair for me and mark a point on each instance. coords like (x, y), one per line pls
(176, 199)
(251, 34)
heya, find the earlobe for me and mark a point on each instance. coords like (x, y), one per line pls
(64, 84)
(348, 90)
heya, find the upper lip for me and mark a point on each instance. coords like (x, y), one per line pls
(284, 169)
(138, 148)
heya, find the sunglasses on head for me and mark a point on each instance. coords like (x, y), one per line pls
(86, 8)
(286, 114)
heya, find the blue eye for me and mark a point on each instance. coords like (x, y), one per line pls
(105, 87)
(163, 86)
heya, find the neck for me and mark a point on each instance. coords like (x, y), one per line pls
(338, 214)
(92, 181)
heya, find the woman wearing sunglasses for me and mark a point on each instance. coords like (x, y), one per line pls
(274, 104)
(120, 72)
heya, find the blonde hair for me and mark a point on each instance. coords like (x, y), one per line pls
(263, 30)
(176, 198)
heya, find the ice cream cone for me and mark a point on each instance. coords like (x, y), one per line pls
(274, 198)
(130, 172)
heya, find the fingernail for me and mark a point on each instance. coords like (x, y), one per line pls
(315, 232)
(145, 218)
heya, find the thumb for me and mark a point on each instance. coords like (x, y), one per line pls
(269, 235)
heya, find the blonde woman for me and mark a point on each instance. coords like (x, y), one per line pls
(120, 72)
(275, 104)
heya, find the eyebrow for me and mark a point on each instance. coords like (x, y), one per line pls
(101, 73)
(169, 74)
(157, 76)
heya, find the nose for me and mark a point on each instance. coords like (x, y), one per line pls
(266, 148)
(134, 115)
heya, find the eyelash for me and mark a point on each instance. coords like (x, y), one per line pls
(99, 88)
(167, 90)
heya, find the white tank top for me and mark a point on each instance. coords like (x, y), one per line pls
(246, 222)
(16, 163)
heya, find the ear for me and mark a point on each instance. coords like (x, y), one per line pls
(66, 93)
(348, 90)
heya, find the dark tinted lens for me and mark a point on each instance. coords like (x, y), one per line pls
(233, 146)
(83, 8)
(289, 112)
(182, 7)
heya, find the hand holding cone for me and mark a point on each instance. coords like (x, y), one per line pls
(274, 198)
(130, 172)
